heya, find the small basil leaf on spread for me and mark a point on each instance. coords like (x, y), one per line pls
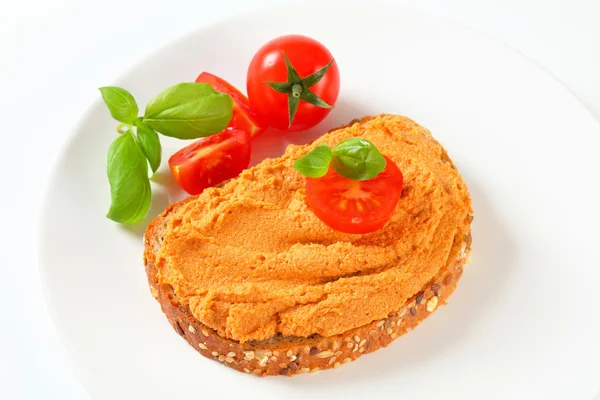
(127, 171)
(357, 159)
(120, 103)
(314, 164)
(150, 144)
(189, 111)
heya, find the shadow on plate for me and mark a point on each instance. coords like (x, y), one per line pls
(483, 281)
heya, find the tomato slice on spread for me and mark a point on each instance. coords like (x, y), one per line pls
(355, 206)
(243, 116)
(211, 160)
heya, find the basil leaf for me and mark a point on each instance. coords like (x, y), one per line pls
(120, 103)
(357, 159)
(189, 111)
(150, 144)
(315, 164)
(127, 172)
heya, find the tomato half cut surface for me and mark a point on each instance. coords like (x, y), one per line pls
(351, 206)
(243, 116)
(211, 160)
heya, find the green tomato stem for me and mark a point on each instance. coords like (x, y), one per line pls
(296, 90)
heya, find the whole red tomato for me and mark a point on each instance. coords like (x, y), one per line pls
(287, 94)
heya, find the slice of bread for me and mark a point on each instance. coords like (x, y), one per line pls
(288, 355)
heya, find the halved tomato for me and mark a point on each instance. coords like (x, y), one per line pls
(211, 160)
(243, 117)
(351, 206)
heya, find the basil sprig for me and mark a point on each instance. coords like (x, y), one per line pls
(355, 158)
(183, 111)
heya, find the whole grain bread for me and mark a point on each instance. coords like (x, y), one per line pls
(282, 355)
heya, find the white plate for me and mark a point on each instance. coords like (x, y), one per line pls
(524, 321)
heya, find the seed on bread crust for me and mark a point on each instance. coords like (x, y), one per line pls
(324, 354)
(432, 303)
(420, 297)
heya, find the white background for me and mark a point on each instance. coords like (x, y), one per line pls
(55, 53)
